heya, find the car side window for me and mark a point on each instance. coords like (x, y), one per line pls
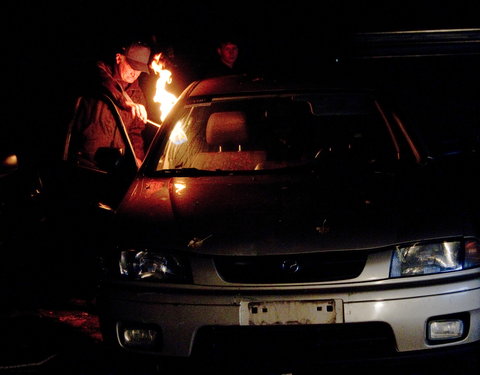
(92, 146)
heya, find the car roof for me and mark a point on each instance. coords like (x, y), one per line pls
(252, 85)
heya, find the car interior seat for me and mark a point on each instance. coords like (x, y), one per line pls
(227, 129)
(227, 135)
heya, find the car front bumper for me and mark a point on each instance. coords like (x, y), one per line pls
(202, 320)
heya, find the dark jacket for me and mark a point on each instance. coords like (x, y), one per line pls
(217, 69)
(94, 125)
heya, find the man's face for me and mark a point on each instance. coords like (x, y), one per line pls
(228, 53)
(127, 73)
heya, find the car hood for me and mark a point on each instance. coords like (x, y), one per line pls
(286, 213)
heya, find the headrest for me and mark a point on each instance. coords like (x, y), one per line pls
(226, 128)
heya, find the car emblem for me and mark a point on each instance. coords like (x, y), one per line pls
(290, 266)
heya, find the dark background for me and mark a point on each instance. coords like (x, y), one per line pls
(49, 44)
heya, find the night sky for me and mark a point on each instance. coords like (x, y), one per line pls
(271, 32)
(48, 44)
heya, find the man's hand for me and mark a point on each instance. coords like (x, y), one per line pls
(138, 110)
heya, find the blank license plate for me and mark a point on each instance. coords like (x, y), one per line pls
(291, 312)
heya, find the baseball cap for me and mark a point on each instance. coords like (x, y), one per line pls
(138, 56)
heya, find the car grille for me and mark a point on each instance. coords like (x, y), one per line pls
(325, 342)
(291, 269)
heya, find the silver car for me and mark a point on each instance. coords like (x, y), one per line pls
(287, 225)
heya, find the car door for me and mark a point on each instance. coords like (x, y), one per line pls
(80, 202)
(89, 187)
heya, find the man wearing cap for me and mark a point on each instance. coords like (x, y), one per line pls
(95, 126)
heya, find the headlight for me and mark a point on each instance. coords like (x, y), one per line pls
(145, 264)
(437, 257)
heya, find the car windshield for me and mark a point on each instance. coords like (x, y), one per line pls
(276, 132)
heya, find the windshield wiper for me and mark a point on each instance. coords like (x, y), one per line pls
(184, 172)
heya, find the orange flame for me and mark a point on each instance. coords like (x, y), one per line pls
(162, 96)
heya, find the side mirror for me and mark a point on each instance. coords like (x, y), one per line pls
(108, 158)
(8, 164)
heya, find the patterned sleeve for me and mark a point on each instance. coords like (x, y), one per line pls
(137, 127)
